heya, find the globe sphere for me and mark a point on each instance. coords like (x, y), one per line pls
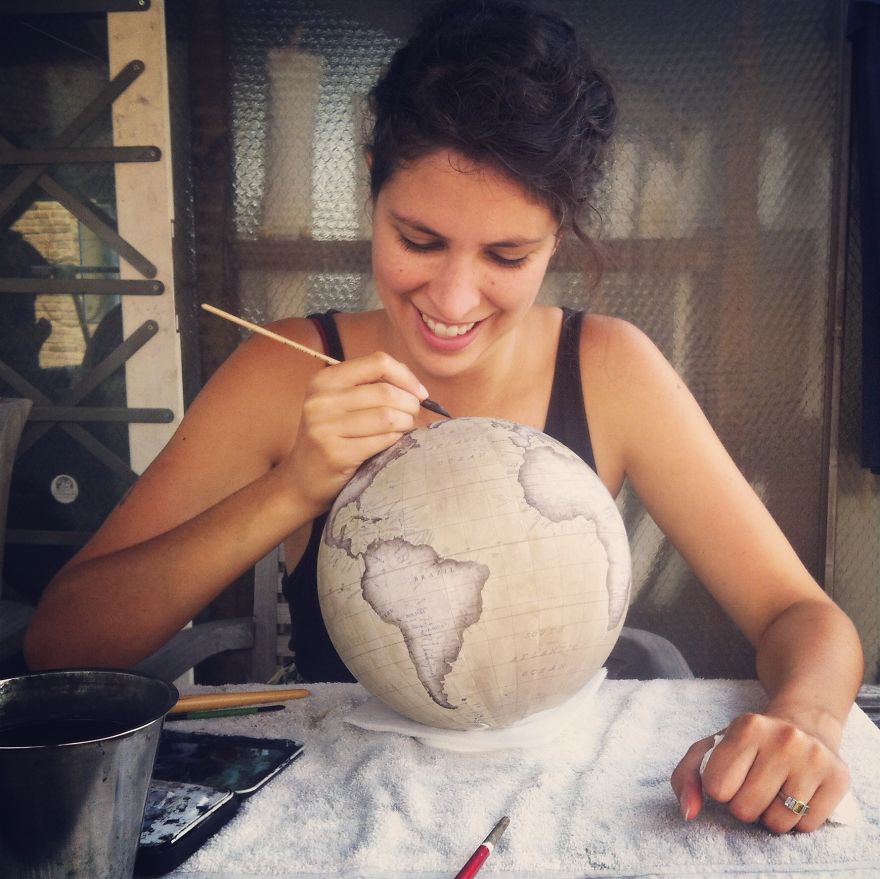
(474, 573)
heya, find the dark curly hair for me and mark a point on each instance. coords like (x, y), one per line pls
(503, 83)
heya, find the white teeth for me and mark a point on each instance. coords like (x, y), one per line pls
(439, 329)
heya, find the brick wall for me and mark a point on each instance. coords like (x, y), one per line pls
(54, 232)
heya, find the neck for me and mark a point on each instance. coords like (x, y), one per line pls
(513, 383)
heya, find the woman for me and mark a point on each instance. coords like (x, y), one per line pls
(488, 139)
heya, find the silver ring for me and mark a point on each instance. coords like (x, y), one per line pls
(799, 807)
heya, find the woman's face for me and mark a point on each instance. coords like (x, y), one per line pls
(459, 254)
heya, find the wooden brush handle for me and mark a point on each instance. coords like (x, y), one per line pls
(209, 701)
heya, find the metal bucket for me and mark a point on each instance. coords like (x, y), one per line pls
(76, 755)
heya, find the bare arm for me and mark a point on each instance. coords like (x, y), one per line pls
(116, 607)
(808, 654)
(263, 450)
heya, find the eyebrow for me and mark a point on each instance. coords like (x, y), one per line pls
(427, 230)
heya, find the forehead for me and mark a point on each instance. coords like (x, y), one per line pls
(455, 192)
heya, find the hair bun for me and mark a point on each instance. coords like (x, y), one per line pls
(502, 82)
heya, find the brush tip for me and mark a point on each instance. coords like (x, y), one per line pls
(435, 407)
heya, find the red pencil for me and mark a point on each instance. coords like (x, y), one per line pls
(469, 870)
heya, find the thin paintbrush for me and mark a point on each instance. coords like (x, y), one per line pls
(256, 328)
(233, 699)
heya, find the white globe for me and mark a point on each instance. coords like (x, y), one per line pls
(474, 573)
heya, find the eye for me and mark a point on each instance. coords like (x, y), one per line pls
(418, 247)
(506, 263)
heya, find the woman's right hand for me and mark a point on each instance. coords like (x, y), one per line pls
(351, 411)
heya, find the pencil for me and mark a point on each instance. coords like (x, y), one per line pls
(225, 712)
(470, 869)
(234, 699)
(428, 404)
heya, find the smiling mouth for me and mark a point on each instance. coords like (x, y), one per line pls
(447, 331)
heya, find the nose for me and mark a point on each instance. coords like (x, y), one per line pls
(455, 290)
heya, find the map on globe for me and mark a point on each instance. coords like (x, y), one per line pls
(420, 530)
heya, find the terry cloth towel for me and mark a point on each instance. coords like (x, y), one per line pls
(594, 802)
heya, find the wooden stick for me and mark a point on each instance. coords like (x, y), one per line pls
(427, 403)
(210, 701)
(262, 331)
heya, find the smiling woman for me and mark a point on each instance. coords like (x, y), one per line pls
(488, 142)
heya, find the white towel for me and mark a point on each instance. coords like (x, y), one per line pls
(596, 801)
(532, 732)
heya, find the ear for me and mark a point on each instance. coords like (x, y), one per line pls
(368, 157)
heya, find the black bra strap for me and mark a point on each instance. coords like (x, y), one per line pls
(329, 333)
(566, 418)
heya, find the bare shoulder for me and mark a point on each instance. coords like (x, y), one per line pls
(255, 395)
(630, 391)
(628, 374)
(617, 351)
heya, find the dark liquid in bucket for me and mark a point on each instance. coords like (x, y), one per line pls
(63, 731)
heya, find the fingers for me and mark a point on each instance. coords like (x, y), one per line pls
(761, 757)
(354, 387)
(687, 781)
(757, 798)
(339, 413)
(822, 802)
(351, 411)
(818, 780)
(378, 367)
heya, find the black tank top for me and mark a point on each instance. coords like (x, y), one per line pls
(315, 657)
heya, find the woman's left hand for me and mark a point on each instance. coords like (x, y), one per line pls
(759, 758)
